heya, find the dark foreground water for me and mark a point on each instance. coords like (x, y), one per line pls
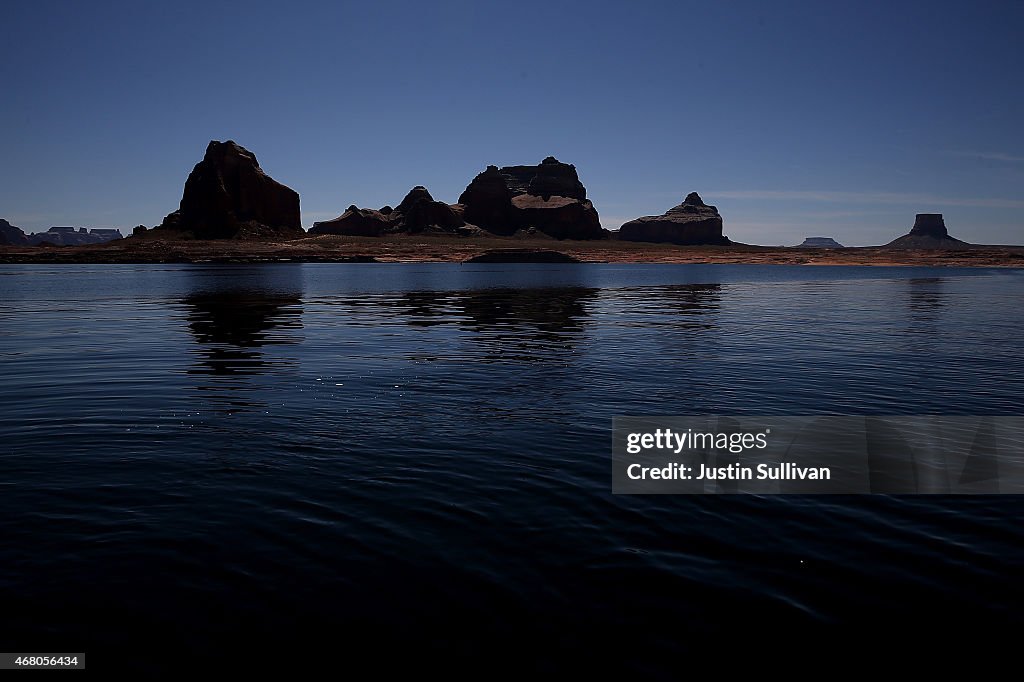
(410, 464)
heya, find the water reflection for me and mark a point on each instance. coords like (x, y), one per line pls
(685, 317)
(691, 305)
(685, 306)
(926, 295)
(232, 327)
(925, 299)
(234, 314)
(530, 324)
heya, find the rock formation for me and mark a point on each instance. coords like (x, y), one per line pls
(559, 217)
(548, 197)
(691, 222)
(820, 243)
(355, 221)
(929, 232)
(418, 212)
(227, 195)
(9, 234)
(549, 178)
(929, 225)
(487, 203)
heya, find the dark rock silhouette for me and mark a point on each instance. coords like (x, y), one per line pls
(929, 232)
(227, 195)
(548, 198)
(691, 222)
(9, 234)
(487, 203)
(559, 217)
(418, 212)
(929, 225)
(522, 256)
(549, 178)
(821, 243)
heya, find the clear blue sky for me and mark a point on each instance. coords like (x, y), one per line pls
(841, 119)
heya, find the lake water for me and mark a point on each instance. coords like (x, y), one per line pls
(412, 461)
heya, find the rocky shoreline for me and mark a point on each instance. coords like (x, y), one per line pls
(427, 248)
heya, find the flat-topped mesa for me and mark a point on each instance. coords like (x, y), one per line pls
(417, 212)
(929, 232)
(59, 235)
(227, 195)
(929, 225)
(821, 243)
(547, 197)
(691, 222)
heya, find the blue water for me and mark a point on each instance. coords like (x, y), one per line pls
(416, 457)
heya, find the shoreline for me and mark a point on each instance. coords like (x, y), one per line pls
(446, 248)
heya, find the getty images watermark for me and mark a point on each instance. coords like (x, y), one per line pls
(823, 454)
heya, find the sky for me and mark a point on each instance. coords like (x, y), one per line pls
(796, 119)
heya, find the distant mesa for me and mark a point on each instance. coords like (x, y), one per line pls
(228, 196)
(691, 222)
(9, 234)
(56, 236)
(70, 236)
(929, 232)
(820, 243)
(522, 256)
(547, 198)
